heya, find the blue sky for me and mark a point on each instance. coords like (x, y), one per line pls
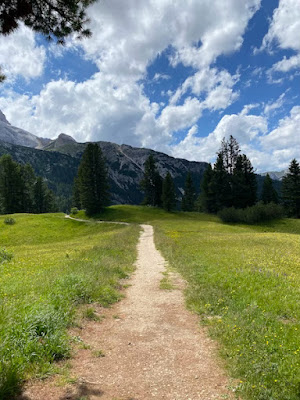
(170, 75)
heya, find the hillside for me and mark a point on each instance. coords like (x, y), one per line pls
(124, 164)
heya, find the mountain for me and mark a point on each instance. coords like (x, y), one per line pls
(59, 160)
(14, 135)
(276, 175)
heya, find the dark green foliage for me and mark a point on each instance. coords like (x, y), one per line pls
(9, 221)
(260, 212)
(151, 184)
(10, 185)
(54, 19)
(44, 200)
(232, 181)
(28, 180)
(243, 183)
(189, 197)
(168, 193)
(229, 152)
(205, 200)
(76, 194)
(291, 190)
(92, 180)
(269, 194)
(5, 255)
(21, 191)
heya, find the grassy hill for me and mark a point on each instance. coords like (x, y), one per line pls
(56, 265)
(243, 282)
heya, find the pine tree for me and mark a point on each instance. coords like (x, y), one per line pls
(229, 151)
(76, 194)
(291, 190)
(28, 179)
(168, 193)
(92, 180)
(244, 185)
(220, 186)
(10, 185)
(151, 183)
(206, 199)
(189, 197)
(269, 194)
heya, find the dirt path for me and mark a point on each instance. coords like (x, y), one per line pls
(153, 346)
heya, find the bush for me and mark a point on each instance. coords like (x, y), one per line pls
(5, 255)
(260, 212)
(74, 210)
(9, 221)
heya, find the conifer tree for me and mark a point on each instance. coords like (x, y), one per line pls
(269, 194)
(76, 193)
(92, 180)
(230, 151)
(44, 200)
(168, 193)
(28, 179)
(151, 183)
(10, 185)
(220, 186)
(291, 190)
(206, 199)
(189, 197)
(244, 184)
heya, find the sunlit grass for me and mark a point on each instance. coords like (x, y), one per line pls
(57, 263)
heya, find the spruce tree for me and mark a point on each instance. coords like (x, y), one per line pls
(10, 185)
(168, 193)
(28, 179)
(291, 190)
(189, 197)
(269, 194)
(151, 183)
(229, 151)
(220, 186)
(244, 185)
(206, 199)
(92, 180)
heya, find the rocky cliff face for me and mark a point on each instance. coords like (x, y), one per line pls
(14, 135)
(58, 160)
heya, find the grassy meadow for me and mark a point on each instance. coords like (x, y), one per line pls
(244, 284)
(50, 265)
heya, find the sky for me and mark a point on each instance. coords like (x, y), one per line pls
(175, 76)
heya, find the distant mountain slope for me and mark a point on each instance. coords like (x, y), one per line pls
(124, 164)
(13, 135)
(275, 175)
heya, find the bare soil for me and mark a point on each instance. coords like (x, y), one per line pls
(151, 346)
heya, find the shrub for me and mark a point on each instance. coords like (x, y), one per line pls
(260, 212)
(9, 221)
(74, 210)
(5, 255)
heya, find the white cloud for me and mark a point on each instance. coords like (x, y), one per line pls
(271, 106)
(175, 118)
(245, 128)
(20, 55)
(284, 32)
(286, 135)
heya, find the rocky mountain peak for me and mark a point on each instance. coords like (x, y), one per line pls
(63, 138)
(3, 118)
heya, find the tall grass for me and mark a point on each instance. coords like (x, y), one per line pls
(57, 264)
(244, 284)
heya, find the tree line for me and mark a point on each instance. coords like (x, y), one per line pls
(21, 191)
(230, 183)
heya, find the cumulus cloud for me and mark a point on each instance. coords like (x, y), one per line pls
(20, 54)
(245, 128)
(284, 32)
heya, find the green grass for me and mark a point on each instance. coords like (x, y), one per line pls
(57, 263)
(244, 284)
